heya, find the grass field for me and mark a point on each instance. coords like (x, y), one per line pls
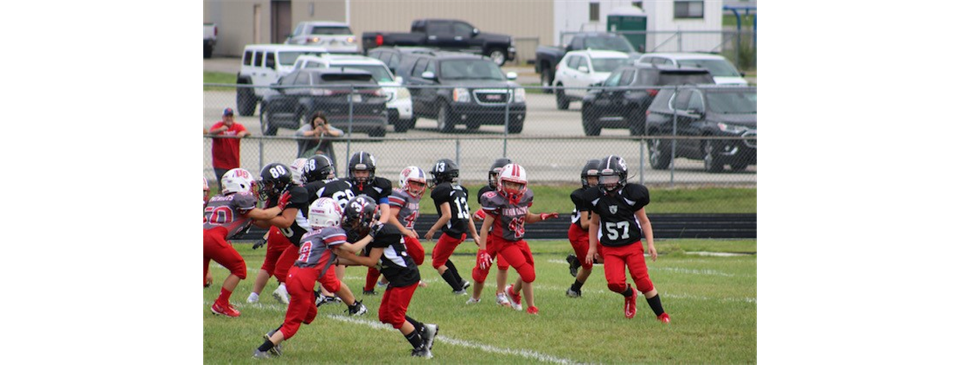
(711, 300)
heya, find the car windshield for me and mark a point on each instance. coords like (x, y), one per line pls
(733, 102)
(331, 30)
(380, 73)
(470, 70)
(685, 78)
(607, 64)
(716, 67)
(287, 58)
(608, 43)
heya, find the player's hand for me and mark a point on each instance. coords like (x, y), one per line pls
(262, 241)
(411, 233)
(284, 199)
(375, 229)
(483, 259)
(591, 254)
(479, 215)
(653, 252)
(545, 216)
(476, 239)
(429, 235)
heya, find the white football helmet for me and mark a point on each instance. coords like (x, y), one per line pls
(324, 212)
(236, 180)
(206, 191)
(296, 169)
(413, 174)
(516, 174)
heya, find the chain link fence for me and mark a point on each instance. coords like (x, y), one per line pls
(689, 136)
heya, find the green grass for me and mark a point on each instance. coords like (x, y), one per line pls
(556, 198)
(219, 78)
(712, 301)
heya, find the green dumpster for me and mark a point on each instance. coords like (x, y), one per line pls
(632, 20)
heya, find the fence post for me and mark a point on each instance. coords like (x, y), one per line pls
(641, 160)
(349, 128)
(673, 142)
(506, 120)
(260, 143)
(458, 152)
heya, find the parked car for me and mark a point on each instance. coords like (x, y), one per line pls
(705, 111)
(399, 104)
(261, 66)
(335, 37)
(476, 93)
(724, 72)
(581, 69)
(447, 34)
(305, 91)
(549, 57)
(392, 56)
(209, 39)
(622, 100)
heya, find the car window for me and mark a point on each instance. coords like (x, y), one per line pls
(614, 78)
(647, 77)
(663, 100)
(258, 59)
(394, 61)
(288, 79)
(571, 61)
(432, 67)
(271, 60)
(303, 78)
(438, 28)
(627, 77)
(379, 72)
(608, 43)
(682, 99)
(716, 67)
(733, 102)
(607, 64)
(419, 67)
(247, 58)
(331, 30)
(299, 29)
(577, 43)
(696, 101)
(668, 78)
(462, 29)
(470, 69)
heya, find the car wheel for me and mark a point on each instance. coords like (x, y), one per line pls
(445, 122)
(265, 126)
(498, 55)
(710, 162)
(402, 125)
(378, 132)
(739, 166)
(590, 127)
(246, 101)
(546, 79)
(516, 126)
(562, 102)
(659, 151)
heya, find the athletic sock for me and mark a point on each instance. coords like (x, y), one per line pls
(224, 296)
(416, 325)
(266, 346)
(450, 279)
(576, 285)
(372, 276)
(456, 274)
(655, 304)
(627, 293)
(415, 340)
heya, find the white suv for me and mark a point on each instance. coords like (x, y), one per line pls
(336, 37)
(261, 66)
(399, 104)
(579, 70)
(724, 73)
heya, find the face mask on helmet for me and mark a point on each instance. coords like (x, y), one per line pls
(495, 171)
(414, 181)
(362, 168)
(359, 213)
(590, 173)
(324, 212)
(512, 183)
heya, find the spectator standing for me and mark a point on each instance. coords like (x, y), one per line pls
(319, 130)
(226, 151)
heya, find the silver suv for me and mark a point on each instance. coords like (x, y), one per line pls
(336, 37)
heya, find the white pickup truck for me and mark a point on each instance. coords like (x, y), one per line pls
(209, 38)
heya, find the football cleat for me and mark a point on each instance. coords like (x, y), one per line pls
(369, 292)
(253, 298)
(472, 300)
(275, 350)
(357, 309)
(630, 304)
(573, 293)
(422, 284)
(574, 264)
(429, 334)
(225, 310)
(533, 310)
(281, 294)
(665, 318)
(465, 284)
(423, 351)
(257, 354)
(502, 299)
(514, 298)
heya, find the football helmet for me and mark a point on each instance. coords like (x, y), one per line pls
(445, 170)
(362, 161)
(360, 212)
(235, 181)
(324, 212)
(413, 174)
(494, 172)
(613, 173)
(516, 174)
(274, 178)
(591, 169)
(206, 191)
(296, 171)
(317, 167)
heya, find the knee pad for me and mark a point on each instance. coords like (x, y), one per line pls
(617, 287)
(644, 285)
(527, 273)
(479, 276)
(240, 270)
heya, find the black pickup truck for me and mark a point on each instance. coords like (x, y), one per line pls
(548, 57)
(446, 34)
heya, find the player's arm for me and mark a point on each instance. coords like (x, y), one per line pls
(369, 261)
(445, 216)
(594, 228)
(473, 230)
(284, 220)
(536, 217)
(261, 214)
(647, 229)
(584, 221)
(484, 230)
(385, 208)
(395, 220)
(356, 246)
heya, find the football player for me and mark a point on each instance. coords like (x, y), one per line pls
(341, 191)
(318, 170)
(479, 215)
(579, 226)
(276, 179)
(619, 217)
(405, 208)
(455, 221)
(206, 196)
(362, 170)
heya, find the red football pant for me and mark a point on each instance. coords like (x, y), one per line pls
(444, 248)
(580, 240)
(631, 256)
(516, 254)
(216, 248)
(276, 244)
(393, 307)
(415, 249)
(285, 261)
(302, 307)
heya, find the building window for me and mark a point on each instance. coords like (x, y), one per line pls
(638, 4)
(685, 9)
(594, 12)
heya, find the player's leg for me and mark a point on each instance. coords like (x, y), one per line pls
(614, 259)
(276, 244)
(502, 267)
(581, 245)
(415, 249)
(228, 257)
(514, 255)
(371, 281)
(638, 271)
(283, 265)
(480, 274)
(441, 260)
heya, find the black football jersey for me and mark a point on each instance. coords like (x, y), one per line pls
(300, 200)
(456, 195)
(337, 189)
(395, 264)
(619, 225)
(379, 189)
(580, 204)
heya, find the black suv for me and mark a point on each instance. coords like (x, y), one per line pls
(393, 55)
(622, 100)
(716, 111)
(305, 91)
(459, 88)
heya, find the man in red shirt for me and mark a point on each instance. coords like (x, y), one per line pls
(226, 151)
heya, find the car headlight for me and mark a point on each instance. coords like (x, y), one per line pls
(519, 95)
(461, 95)
(350, 40)
(403, 93)
(731, 128)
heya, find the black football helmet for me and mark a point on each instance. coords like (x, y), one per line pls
(318, 167)
(362, 161)
(361, 211)
(445, 170)
(495, 171)
(274, 178)
(613, 173)
(591, 169)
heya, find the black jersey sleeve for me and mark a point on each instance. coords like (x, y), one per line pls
(298, 198)
(385, 188)
(441, 194)
(590, 198)
(388, 235)
(577, 197)
(638, 195)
